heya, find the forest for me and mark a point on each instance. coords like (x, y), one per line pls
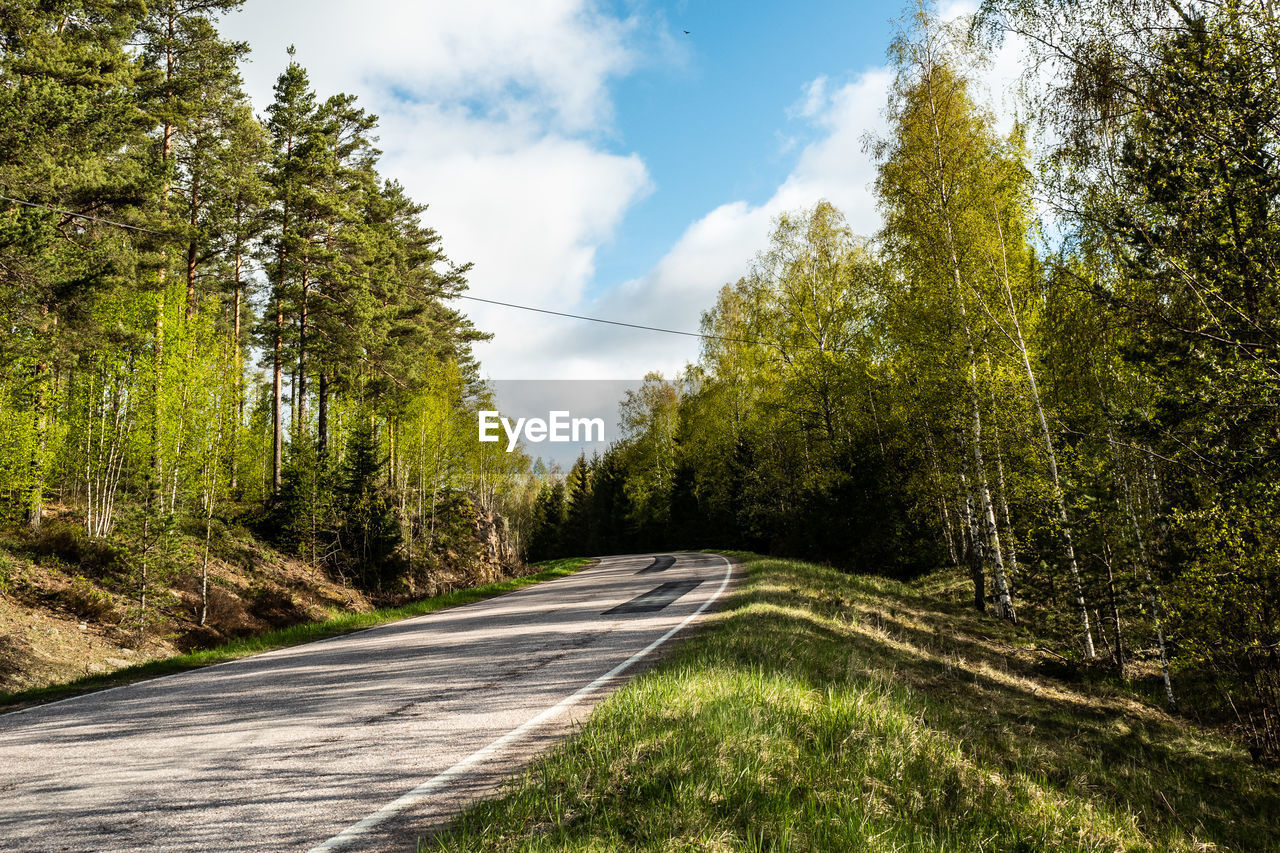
(217, 319)
(1055, 367)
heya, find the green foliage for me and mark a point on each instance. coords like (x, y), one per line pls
(85, 600)
(302, 518)
(545, 537)
(576, 528)
(1089, 429)
(649, 416)
(128, 398)
(368, 530)
(1164, 177)
(782, 437)
(69, 546)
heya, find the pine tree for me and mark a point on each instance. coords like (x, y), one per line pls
(291, 122)
(301, 516)
(548, 521)
(68, 141)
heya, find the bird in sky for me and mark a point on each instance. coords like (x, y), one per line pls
(686, 32)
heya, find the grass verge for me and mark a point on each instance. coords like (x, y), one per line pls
(823, 711)
(292, 636)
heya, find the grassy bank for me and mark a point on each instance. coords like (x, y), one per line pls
(291, 636)
(820, 711)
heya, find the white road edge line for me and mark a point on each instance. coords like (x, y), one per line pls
(426, 789)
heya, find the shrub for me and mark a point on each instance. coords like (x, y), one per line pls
(85, 600)
(69, 544)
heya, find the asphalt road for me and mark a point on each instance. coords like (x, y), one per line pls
(353, 743)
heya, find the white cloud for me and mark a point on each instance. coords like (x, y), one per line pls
(492, 112)
(718, 248)
(530, 213)
(815, 99)
(554, 56)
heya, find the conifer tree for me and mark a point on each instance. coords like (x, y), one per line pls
(291, 123)
(369, 532)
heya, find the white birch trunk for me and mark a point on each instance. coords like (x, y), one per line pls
(1055, 482)
(1004, 602)
(1144, 557)
(1000, 487)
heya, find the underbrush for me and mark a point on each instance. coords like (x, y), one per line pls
(291, 636)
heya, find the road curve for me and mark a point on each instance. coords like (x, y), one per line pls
(352, 743)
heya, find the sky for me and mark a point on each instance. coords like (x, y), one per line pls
(622, 160)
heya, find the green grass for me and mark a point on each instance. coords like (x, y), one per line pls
(821, 711)
(292, 636)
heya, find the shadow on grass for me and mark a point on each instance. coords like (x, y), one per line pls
(823, 711)
(1082, 741)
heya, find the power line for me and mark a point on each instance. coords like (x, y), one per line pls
(89, 218)
(704, 336)
(84, 216)
(602, 320)
(699, 335)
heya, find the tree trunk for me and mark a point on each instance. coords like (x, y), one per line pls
(973, 547)
(277, 400)
(211, 495)
(1000, 485)
(277, 367)
(939, 481)
(1144, 556)
(1115, 610)
(204, 568)
(1011, 547)
(34, 504)
(162, 275)
(391, 455)
(142, 578)
(1153, 602)
(322, 414)
(1004, 602)
(300, 390)
(237, 356)
(1059, 498)
(155, 474)
(193, 249)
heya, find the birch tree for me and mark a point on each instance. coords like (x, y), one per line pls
(933, 186)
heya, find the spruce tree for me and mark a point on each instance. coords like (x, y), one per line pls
(369, 531)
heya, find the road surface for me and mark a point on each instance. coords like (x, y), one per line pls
(354, 743)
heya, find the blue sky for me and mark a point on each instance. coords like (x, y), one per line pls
(588, 156)
(715, 126)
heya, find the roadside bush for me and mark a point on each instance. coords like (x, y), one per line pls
(85, 600)
(70, 545)
(8, 572)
